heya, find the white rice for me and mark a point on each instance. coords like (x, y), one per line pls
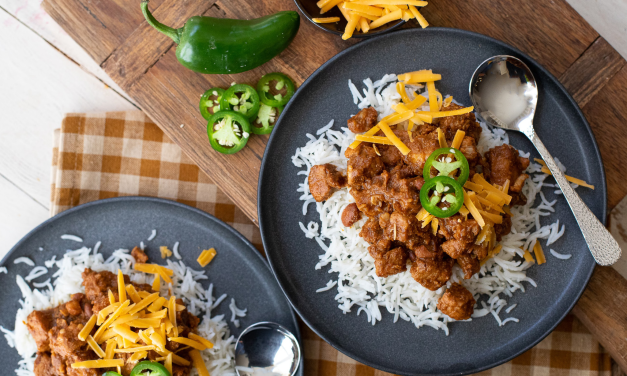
(560, 256)
(67, 281)
(24, 260)
(346, 253)
(152, 235)
(175, 250)
(73, 238)
(236, 312)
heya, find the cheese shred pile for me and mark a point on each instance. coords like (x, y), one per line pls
(365, 15)
(408, 111)
(138, 322)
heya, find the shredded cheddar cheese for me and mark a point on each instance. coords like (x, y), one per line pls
(326, 19)
(374, 139)
(528, 257)
(392, 137)
(350, 26)
(199, 364)
(139, 327)
(442, 139)
(392, 2)
(392, 16)
(206, 256)
(156, 283)
(419, 17)
(439, 114)
(457, 140)
(87, 328)
(421, 76)
(94, 346)
(473, 209)
(101, 363)
(537, 249)
(433, 98)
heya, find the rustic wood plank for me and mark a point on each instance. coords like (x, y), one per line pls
(181, 90)
(145, 45)
(602, 309)
(234, 173)
(592, 71)
(549, 31)
(84, 27)
(607, 114)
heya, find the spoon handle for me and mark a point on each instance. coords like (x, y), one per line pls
(603, 247)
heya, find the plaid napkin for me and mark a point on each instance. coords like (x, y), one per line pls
(104, 155)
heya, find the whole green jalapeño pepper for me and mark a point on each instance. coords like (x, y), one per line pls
(445, 189)
(224, 46)
(153, 368)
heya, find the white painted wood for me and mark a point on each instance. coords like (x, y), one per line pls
(19, 215)
(38, 84)
(608, 18)
(30, 13)
(618, 228)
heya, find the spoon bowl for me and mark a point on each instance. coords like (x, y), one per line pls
(505, 91)
(267, 348)
(505, 94)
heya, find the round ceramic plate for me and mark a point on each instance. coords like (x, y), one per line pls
(400, 347)
(238, 269)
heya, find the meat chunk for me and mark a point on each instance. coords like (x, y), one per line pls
(504, 163)
(392, 262)
(432, 273)
(363, 121)
(371, 231)
(363, 164)
(41, 323)
(420, 146)
(43, 365)
(469, 149)
(451, 124)
(390, 155)
(350, 215)
(460, 235)
(504, 228)
(324, 180)
(38, 324)
(380, 248)
(470, 265)
(457, 302)
(139, 255)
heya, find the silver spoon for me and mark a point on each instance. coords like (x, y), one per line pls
(505, 95)
(266, 348)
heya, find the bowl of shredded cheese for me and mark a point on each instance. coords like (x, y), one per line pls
(361, 18)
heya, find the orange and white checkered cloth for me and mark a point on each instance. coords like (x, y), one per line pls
(104, 155)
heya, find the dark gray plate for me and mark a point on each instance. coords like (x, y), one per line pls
(238, 270)
(400, 347)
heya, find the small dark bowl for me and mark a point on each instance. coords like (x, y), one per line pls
(311, 10)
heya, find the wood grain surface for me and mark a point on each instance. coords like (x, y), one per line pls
(142, 62)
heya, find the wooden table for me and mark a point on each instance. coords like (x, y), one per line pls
(118, 41)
